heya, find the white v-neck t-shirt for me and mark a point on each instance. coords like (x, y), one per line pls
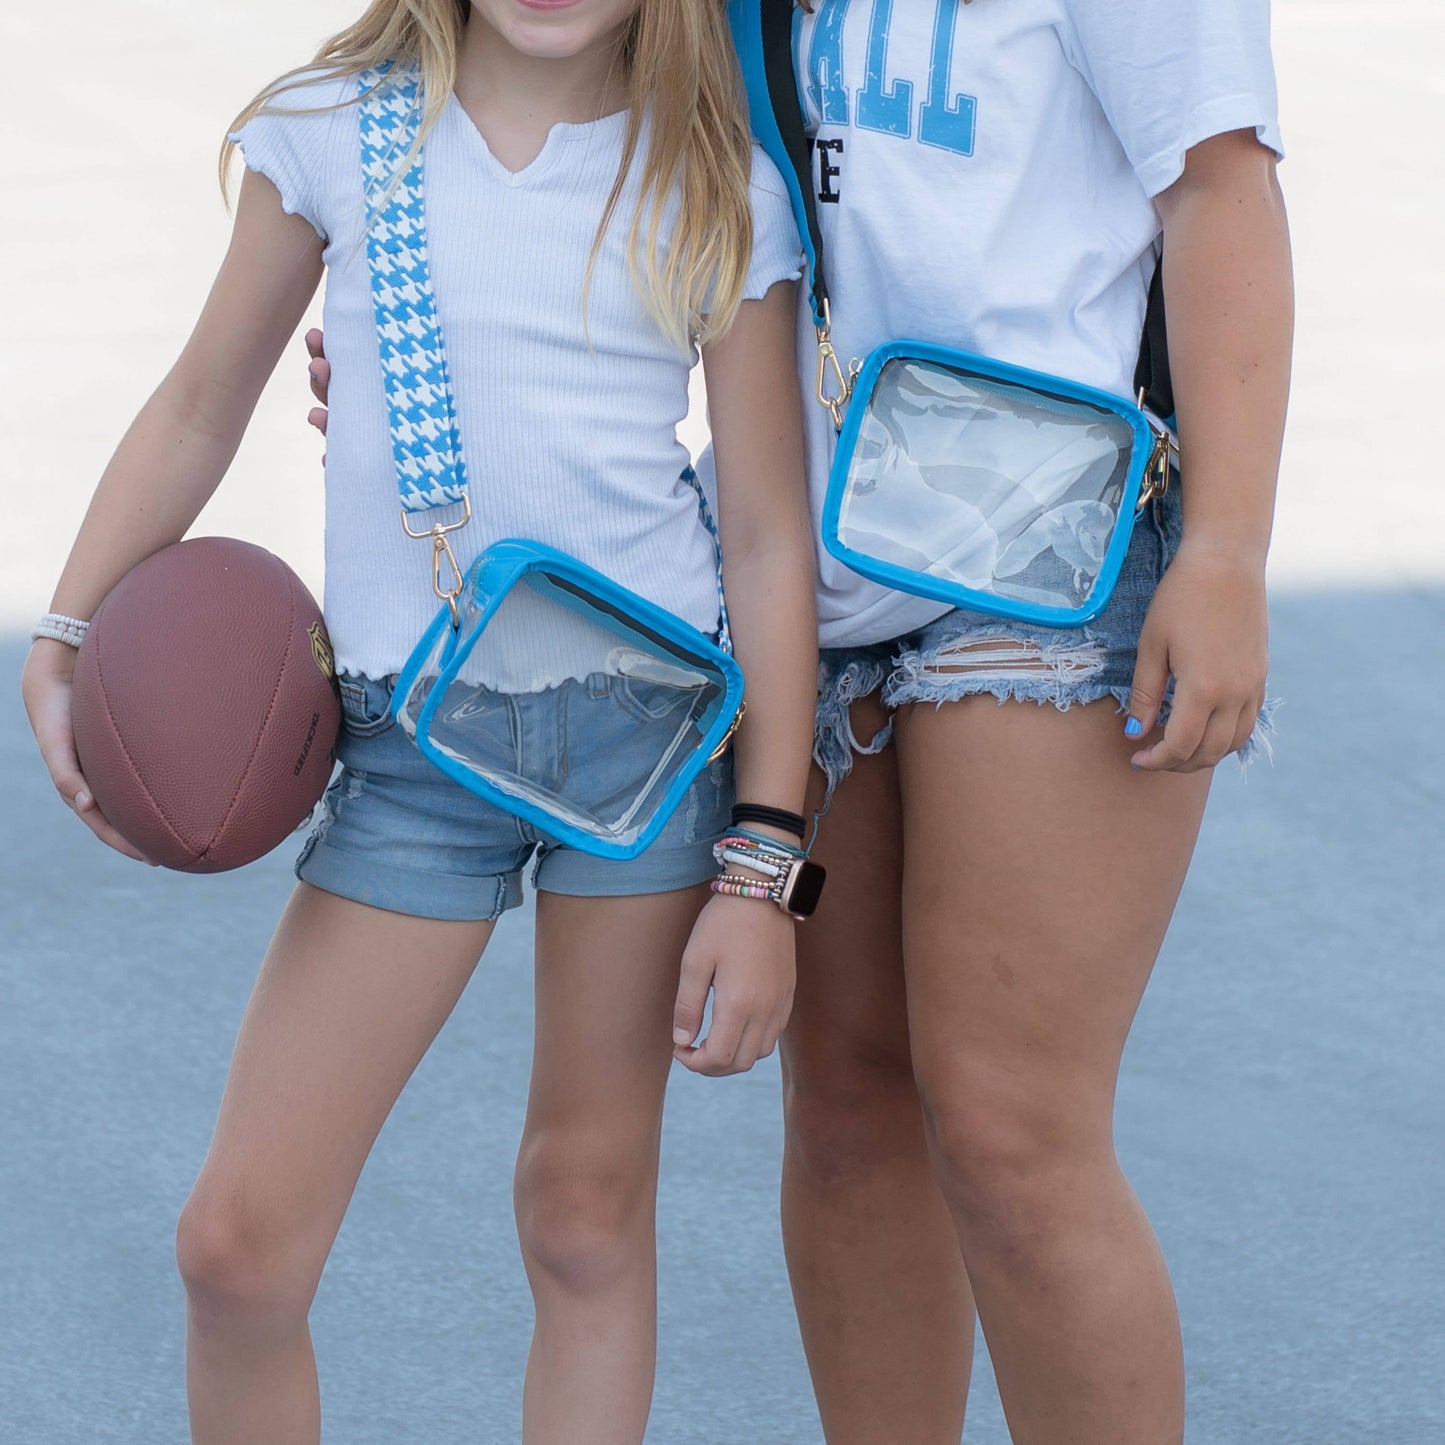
(985, 178)
(568, 421)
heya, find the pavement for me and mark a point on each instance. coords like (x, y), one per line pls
(1281, 1110)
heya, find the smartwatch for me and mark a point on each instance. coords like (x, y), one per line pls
(802, 887)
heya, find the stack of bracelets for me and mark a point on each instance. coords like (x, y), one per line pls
(788, 878)
(60, 628)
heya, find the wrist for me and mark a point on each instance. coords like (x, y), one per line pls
(1225, 551)
(780, 823)
(52, 657)
(758, 867)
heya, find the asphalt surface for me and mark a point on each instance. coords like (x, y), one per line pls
(1281, 1114)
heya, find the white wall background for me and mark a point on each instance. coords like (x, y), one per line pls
(113, 228)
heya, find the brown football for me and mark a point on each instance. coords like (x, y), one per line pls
(205, 705)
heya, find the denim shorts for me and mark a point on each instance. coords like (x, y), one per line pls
(397, 833)
(1011, 661)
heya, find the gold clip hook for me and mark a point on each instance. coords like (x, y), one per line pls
(727, 737)
(1156, 470)
(828, 362)
(442, 548)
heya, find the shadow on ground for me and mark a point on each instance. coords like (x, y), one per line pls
(1281, 1114)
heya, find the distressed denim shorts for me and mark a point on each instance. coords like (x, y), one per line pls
(963, 654)
(397, 833)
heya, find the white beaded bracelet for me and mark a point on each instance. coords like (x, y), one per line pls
(769, 867)
(57, 627)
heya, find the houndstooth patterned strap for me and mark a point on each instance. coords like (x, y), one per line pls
(425, 440)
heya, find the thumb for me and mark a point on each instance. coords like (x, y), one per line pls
(692, 987)
(1148, 685)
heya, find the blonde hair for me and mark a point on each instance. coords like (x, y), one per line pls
(681, 75)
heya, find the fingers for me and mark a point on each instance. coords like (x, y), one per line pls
(692, 986)
(70, 784)
(320, 374)
(58, 750)
(1198, 736)
(718, 1053)
(100, 825)
(1244, 727)
(1148, 685)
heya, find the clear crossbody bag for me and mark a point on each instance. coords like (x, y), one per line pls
(956, 477)
(530, 642)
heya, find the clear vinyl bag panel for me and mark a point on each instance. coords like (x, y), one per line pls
(561, 697)
(969, 482)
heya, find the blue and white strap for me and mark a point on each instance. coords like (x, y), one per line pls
(426, 442)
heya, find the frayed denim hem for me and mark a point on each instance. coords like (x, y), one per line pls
(918, 683)
(834, 743)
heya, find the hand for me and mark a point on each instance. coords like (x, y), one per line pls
(320, 373)
(1208, 625)
(46, 685)
(741, 948)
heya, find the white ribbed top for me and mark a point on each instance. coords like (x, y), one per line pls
(569, 424)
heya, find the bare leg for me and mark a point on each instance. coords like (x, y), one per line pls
(348, 1000)
(586, 1186)
(1041, 875)
(881, 1293)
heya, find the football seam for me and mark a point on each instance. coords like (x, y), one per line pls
(130, 761)
(265, 724)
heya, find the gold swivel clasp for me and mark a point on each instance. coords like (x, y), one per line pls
(830, 371)
(1156, 470)
(446, 576)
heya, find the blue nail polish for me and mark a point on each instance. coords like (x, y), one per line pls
(1133, 728)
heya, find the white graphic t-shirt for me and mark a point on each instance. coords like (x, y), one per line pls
(985, 176)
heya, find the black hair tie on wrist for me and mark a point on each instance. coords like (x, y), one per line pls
(771, 817)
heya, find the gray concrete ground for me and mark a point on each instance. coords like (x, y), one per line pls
(1282, 1110)
(1281, 1114)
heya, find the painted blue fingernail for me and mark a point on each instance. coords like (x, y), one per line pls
(1133, 728)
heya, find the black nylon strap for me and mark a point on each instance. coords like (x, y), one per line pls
(776, 18)
(1151, 375)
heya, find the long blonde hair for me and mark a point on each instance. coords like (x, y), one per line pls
(681, 74)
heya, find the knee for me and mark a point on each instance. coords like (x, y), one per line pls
(584, 1210)
(239, 1261)
(1012, 1161)
(850, 1117)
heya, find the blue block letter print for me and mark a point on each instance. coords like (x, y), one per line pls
(881, 107)
(949, 126)
(826, 91)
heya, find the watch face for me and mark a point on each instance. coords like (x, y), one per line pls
(805, 887)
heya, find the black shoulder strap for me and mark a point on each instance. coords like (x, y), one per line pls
(763, 34)
(1151, 375)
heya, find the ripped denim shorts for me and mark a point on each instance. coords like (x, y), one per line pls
(398, 833)
(1012, 661)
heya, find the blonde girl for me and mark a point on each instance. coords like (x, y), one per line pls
(594, 209)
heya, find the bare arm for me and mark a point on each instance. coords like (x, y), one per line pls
(1229, 295)
(177, 450)
(768, 561)
(742, 947)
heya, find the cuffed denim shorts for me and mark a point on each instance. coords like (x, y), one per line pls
(964, 654)
(397, 833)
